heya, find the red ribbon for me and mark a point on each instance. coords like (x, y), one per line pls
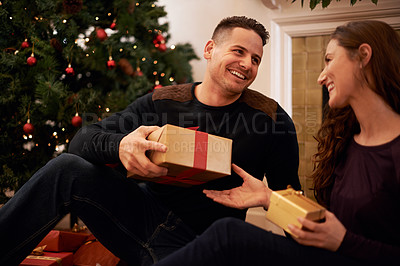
(199, 162)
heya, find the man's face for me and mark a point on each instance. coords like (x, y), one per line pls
(233, 60)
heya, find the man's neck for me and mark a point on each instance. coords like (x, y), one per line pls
(211, 96)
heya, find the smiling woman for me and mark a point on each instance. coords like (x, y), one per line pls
(347, 70)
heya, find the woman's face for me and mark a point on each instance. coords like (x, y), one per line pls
(339, 75)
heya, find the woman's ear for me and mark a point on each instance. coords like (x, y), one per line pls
(208, 49)
(365, 51)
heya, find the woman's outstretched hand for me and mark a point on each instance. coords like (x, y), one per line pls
(252, 193)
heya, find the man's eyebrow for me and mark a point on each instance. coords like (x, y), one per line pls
(243, 48)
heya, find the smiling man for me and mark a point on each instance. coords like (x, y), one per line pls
(142, 223)
(233, 56)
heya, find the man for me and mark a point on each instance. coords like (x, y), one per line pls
(144, 222)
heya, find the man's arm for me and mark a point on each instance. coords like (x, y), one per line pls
(99, 142)
(283, 157)
(252, 193)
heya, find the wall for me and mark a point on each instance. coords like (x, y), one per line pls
(308, 61)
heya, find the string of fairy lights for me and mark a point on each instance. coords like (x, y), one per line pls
(82, 41)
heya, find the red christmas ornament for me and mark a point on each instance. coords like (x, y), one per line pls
(25, 44)
(113, 24)
(159, 43)
(28, 127)
(69, 70)
(157, 85)
(76, 121)
(111, 63)
(158, 39)
(162, 47)
(138, 72)
(31, 61)
(101, 34)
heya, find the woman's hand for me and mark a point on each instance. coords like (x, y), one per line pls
(252, 193)
(328, 235)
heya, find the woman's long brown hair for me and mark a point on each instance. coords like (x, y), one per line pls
(340, 125)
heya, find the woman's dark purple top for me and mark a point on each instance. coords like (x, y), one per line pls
(366, 199)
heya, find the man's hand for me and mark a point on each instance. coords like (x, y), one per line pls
(132, 153)
(252, 193)
(328, 235)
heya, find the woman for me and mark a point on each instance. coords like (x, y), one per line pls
(357, 174)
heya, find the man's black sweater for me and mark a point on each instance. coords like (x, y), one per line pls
(264, 143)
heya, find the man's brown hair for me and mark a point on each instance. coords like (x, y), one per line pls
(229, 23)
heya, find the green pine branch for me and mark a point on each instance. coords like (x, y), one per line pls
(326, 3)
(62, 35)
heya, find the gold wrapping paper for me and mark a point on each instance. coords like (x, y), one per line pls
(192, 157)
(287, 205)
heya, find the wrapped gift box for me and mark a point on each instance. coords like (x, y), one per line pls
(56, 240)
(94, 253)
(50, 258)
(192, 158)
(287, 205)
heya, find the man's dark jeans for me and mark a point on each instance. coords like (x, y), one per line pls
(123, 215)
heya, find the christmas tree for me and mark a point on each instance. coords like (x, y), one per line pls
(68, 62)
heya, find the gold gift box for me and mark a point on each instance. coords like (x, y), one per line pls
(287, 205)
(192, 157)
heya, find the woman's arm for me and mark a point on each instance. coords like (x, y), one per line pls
(332, 235)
